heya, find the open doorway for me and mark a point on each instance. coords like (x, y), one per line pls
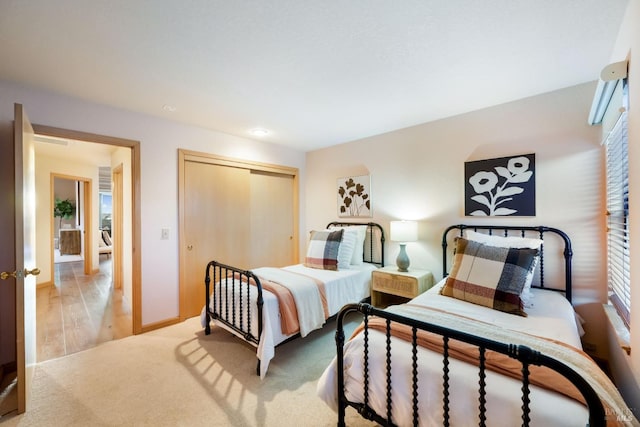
(123, 152)
(15, 369)
(79, 290)
(69, 207)
(82, 290)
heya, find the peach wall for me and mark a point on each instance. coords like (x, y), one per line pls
(418, 173)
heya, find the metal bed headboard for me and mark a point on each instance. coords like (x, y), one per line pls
(372, 229)
(505, 229)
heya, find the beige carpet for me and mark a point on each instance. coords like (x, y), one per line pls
(178, 376)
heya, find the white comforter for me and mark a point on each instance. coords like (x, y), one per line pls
(551, 316)
(305, 294)
(341, 287)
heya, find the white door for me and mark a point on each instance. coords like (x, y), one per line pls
(25, 243)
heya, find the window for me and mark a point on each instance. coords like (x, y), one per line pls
(618, 213)
(105, 211)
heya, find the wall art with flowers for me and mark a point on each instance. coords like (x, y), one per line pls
(504, 186)
(354, 196)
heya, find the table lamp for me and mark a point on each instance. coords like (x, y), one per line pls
(403, 232)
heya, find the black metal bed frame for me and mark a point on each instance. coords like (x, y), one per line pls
(223, 282)
(505, 229)
(524, 354)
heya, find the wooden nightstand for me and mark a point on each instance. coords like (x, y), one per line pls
(390, 286)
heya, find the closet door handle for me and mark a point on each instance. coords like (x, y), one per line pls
(189, 247)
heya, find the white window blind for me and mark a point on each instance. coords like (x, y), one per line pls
(618, 214)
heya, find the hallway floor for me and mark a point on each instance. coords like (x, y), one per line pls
(79, 312)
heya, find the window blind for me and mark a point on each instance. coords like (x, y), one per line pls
(618, 214)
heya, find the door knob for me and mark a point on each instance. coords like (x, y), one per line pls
(33, 272)
(19, 274)
(190, 247)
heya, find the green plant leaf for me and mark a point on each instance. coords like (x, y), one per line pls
(63, 208)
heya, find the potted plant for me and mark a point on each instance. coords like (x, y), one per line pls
(63, 209)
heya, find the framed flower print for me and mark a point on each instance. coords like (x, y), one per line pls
(354, 196)
(503, 186)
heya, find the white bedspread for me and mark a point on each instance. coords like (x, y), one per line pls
(550, 314)
(341, 287)
(551, 317)
(305, 293)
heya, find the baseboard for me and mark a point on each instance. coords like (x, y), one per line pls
(44, 285)
(158, 325)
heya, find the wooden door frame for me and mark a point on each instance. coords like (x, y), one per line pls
(136, 234)
(185, 156)
(116, 224)
(87, 236)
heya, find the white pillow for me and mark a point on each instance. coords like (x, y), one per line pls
(511, 242)
(504, 242)
(360, 232)
(346, 249)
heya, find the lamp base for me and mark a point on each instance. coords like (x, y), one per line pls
(403, 259)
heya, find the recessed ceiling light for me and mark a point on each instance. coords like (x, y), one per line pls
(259, 132)
(169, 108)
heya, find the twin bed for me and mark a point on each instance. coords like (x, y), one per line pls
(496, 342)
(254, 306)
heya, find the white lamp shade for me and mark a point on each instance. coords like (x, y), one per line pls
(404, 231)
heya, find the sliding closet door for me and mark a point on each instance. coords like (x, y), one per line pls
(272, 230)
(236, 212)
(216, 225)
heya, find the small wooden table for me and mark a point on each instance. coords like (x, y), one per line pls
(69, 242)
(390, 286)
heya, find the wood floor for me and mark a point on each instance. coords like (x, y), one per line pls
(79, 312)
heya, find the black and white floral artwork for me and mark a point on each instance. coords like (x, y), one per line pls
(354, 196)
(503, 186)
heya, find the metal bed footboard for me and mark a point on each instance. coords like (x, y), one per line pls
(224, 282)
(229, 287)
(525, 355)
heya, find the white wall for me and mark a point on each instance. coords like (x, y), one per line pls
(159, 143)
(418, 173)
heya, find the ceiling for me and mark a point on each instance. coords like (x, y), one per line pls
(314, 73)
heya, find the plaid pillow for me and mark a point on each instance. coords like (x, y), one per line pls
(323, 248)
(490, 276)
(511, 242)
